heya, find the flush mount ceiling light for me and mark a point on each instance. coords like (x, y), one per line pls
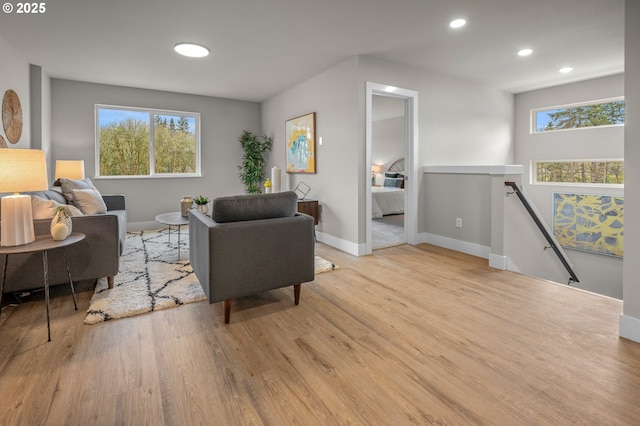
(191, 50)
(525, 52)
(565, 70)
(457, 23)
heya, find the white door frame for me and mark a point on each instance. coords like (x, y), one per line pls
(411, 159)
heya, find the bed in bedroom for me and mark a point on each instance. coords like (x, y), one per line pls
(389, 198)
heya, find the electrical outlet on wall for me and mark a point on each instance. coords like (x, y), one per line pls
(458, 222)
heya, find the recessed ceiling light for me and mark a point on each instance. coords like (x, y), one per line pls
(457, 23)
(525, 52)
(191, 50)
(565, 70)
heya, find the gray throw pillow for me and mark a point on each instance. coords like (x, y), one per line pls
(68, 185)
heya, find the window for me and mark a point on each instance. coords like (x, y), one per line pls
(143, 142)
(608, 112)
(602, 172)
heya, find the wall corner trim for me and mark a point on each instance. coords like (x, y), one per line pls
(630, 328)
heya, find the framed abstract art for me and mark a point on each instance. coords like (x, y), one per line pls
(591, 223)
(300, 150)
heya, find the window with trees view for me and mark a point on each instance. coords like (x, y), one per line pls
(607, 172)
(608, 112)
(142, 142)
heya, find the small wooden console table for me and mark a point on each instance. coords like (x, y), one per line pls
(43, 243)
(310, 207)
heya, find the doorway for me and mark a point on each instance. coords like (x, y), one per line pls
(406, 101)
(387, 171)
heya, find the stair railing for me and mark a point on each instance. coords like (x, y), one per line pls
(552, 242)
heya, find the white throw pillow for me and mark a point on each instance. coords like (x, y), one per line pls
(89, 201)
(45, 209)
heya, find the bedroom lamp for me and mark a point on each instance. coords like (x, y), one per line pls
(20, 170)
(70, 169)
(375, 170)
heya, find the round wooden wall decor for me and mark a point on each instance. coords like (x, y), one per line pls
(12, 116)
(3, 144)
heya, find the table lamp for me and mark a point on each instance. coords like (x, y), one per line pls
(70, 169)
(20, 170)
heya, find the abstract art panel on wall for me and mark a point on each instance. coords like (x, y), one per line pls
(300, 135)
(591, 223)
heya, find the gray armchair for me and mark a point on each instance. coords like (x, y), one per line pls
(251, 244)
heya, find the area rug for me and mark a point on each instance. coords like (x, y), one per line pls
(152, 278)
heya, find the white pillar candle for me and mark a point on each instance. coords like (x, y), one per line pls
(275, 179)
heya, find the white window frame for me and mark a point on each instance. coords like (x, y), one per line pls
(151, 112)
(533, 170)
(534, 112)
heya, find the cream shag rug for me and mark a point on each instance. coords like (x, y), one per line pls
(152, 278)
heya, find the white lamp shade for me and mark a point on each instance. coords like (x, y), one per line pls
(23, 170)
(20, 170)
(70, 169)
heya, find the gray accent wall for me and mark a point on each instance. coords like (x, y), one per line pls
(222, 122)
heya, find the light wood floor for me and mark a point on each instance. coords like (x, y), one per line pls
(409, 335)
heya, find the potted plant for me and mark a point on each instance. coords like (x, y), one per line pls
(253, 162)
(203, 203)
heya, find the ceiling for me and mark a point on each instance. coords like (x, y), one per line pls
(261, 47)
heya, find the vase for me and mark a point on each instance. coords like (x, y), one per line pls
(203, 208)
(59, 232)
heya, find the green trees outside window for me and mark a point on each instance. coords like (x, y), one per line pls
(136, 142)
(598, 172)
(579, 116)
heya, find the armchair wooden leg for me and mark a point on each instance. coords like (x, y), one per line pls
(227, 311)
(110, 282)
(296, 293)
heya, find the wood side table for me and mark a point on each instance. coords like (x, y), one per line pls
(43, 243)
(310, 207)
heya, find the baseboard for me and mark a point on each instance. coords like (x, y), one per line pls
(629, 328)
(143, 226)
(346, 246)
(498, 261)
(457, 245)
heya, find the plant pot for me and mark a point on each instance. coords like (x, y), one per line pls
(203, 208)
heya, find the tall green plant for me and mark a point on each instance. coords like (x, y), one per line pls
(252, 168)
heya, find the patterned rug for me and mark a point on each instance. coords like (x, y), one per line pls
(152, 278)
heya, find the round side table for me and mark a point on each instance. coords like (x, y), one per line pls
(43, 244)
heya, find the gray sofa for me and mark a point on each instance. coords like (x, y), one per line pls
(98, 255)
(251, 244)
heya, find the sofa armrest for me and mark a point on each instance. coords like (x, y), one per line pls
(114, 201)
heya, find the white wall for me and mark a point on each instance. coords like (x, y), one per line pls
(387, 143)
(14, 75)
(460, 123)
(597, 273)
(332, 95)
(630, 320)
(222, 122)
